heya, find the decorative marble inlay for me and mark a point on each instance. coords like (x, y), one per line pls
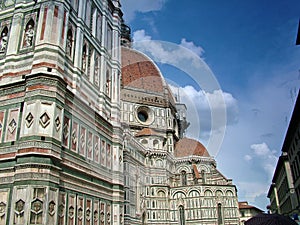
(61, 210)
(29, 119)
(2, 209)
(57, 123)
(96, 215)
(71, 212)
(80, 213)
(12, 126)
(19, 206)
(88, 214)
(74, 137)
(51, 208)
(44, 120)
(66, 130)
(37, 206)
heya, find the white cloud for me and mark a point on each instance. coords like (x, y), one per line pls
(265, 158)
(260, 149)
(140, 35)
(169, 53)
(130, 7)
(248, 157)
(252, 190)
(200, 105)
(190, 45)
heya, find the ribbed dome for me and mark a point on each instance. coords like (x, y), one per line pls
(188, 147)
(138, 71)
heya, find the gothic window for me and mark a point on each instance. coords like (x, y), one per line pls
(69, 45)
(97, 69)
(108, 83)
(220, 216)
(144, 218)
(29, 34)
(203, 175)
(183, 178)
(181, 215)
(84, 57)
(3, 39)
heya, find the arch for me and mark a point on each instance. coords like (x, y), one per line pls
(204, 168)
(159, 163)
(194, 193)
(219, 193)
(144, 141)
(185, 168)
(29, 33)
(229, 193)
(161, 193)
(155, 144)
(178, 195)
(208, 193)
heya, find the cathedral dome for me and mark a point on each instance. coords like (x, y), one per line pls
(188, 147)
(139, 72)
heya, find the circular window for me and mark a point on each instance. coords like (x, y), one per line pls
(144, 115)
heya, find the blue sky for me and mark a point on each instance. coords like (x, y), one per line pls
(249, 46)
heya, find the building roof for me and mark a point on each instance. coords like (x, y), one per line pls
(245, 205)
(138, 71)
(147, 132)
(188, 147)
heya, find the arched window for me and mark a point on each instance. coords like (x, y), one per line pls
(107, 84)
(144, 218)
(183, 178)
(203, 175)
(84, 57)
(155, 144)
(181, 215)
(220, 216)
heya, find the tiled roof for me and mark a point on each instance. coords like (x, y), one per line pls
(146, 132)
(138, 71)
(245, 205)
(187, 147)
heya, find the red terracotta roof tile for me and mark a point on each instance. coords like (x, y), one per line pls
(138, 71)
(188, 147)
(147, 132)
